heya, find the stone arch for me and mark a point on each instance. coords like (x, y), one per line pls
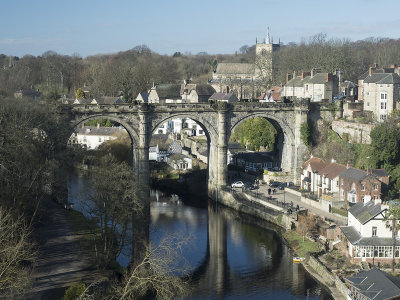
(209, 130)
(287, 143)
(131, 131)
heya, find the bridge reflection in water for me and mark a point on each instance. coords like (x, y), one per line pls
(232, 258)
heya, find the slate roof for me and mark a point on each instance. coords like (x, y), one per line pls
(100, 131)
(201, 89)
(364, 212)
(380, 173)
(355, 238)
(165, 91)
(319, 78)
(316, 163)
(296, 82)
(348, 84)
(235, 68)
(332, 170)
(375, 284)
(366, 73)
(144, 96)
(162, 140)
(223, 96)
(383, 78)
(109, 100)
(353, 174)
(176, 157)
(235, 148)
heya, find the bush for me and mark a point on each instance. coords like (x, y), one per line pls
(74, 291)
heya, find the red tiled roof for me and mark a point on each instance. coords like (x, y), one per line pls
(332, 170)
(316, 163)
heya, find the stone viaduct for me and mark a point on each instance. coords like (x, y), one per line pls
(218, 120)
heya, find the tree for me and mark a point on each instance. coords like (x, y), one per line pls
(160, 272)
(306, 225)
(17, 254)
(255, 134)
(80, 94)
(113, 202)
(306, 133)
(392, 220)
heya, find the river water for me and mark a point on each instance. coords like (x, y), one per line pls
(230, 256)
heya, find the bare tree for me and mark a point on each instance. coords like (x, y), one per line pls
(157, 273)
(16, 255)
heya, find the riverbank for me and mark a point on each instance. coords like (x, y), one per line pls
(229, 199)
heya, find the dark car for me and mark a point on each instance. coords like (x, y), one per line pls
(249, 186)
(274, 184)
(281, 186)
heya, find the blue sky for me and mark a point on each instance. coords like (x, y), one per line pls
(90, 27)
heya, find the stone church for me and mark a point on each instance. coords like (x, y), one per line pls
(247, 81)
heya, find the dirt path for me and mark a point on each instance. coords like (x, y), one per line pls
(62, 261)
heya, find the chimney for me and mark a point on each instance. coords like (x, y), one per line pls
(288, 77)
(371, 70)
(305, 74)
(315, 71)
(294, 74)
(349, 165)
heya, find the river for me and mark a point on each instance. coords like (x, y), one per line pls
(229, 256)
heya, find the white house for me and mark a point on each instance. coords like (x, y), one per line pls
(92, 137)
(180, 162)
(161, 146)
(309, 175)
(368, 237)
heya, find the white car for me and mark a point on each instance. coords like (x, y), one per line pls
(238, 184)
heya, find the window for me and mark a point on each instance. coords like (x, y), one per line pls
(367, 102)
(375, 187)
(383, 104)
(383, 117)
(337, 182)
(374, 229)
(363, 187)
(362, 199)
(383, 95)
(342, 193)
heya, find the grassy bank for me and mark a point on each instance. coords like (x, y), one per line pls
(300, 247)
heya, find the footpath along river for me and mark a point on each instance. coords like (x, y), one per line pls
(230, 256)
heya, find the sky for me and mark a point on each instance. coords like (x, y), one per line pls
(89, 27)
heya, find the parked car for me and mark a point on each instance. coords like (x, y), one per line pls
(278, 169)
(237, 184)
(250, 186)
(281, 186)
(274, 184)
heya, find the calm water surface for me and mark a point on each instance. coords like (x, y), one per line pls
(228, 257)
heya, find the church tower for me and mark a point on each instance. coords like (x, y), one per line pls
(264, 63)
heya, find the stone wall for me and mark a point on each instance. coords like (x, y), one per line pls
(330, 279)
(356, 132)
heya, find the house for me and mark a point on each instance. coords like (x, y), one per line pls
(254, 161)
(373, 284)
(91, 137)
(179, 161)
(328, 178)
(374, 68)
(233, 149)
(28, 93)
(348, 89)
(196, 93)
(314, 85)
(309, 174)
(224, 97)
(272, 95)
(142, 98)
(381, 94)
(161, 146)
(368, 237)
(359, 186)
(165, 93)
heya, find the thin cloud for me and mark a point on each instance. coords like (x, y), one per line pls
(28, 41)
